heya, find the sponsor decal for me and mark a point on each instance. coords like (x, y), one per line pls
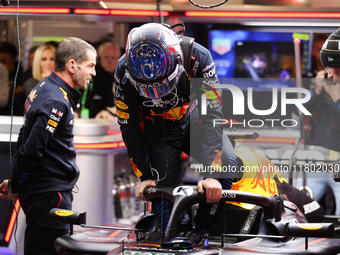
(217, 163)
(210, 74)
(65, 94)
(52, 123)
(55, 111)
(208, 67)
(183, 191)
(221, 46)
(27, 105)
(151, 190)
(211, 98)
(32, 95)
(135, 169)
(121, 105)
(57, 119)
(163, 103)
(213, 95)
(289, 205)
(173, 114)
(123, 115)
(310, 226)
(195, 68)
(50, 129)
(124, 121)
(64, 213)
(117, 79)
(290, 221)
(213, 209)
(311, 207)
(119, 94)
(140, 235)
(228, 195)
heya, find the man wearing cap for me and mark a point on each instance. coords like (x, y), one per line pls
(325, 101)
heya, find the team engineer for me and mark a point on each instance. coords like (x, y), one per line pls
(45, 169)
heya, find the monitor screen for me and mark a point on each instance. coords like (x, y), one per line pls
(261, 60)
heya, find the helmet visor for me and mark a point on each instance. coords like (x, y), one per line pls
(159, 89)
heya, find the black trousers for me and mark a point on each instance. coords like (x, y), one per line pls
(165, 145)
(40, 233)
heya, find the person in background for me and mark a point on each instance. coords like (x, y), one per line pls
(97, 100)
(4, 85)
(318, 41)
(8, 56)
(157, 109)
(28, 72)
(309, 81)
(43, 65)
(325, 102)
(53, 43)
(45, 169)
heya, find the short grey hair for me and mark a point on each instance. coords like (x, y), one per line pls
(71, 48)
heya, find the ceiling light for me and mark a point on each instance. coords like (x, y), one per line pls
(103, 4)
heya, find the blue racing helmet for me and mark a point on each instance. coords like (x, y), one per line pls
(154, 60)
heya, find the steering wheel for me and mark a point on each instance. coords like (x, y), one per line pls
(185, 196)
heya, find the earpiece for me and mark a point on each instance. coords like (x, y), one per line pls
(73, 67)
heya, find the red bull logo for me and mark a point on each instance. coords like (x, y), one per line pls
(65, 94)
(32, 95)
(217, 163)
(173, 114)
(135, 169)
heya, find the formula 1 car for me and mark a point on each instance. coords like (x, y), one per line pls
(263, 214)
(274, 225)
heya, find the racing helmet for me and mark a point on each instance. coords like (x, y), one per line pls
(154, 60)
(330, 52)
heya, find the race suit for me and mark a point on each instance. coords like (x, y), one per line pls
(156, 132)
(45, 169)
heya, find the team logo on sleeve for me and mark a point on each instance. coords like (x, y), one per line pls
(217, 163)
(65, 94)
(50, 129)
(59, 113)
(123, 115)
(135, 169)
(52, 123)
(32, 95)
(121, 105)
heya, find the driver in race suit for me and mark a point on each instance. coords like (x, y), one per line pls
(159, 116)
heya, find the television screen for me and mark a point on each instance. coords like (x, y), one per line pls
(260, 60)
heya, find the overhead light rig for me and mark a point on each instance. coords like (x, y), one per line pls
(184, 14)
